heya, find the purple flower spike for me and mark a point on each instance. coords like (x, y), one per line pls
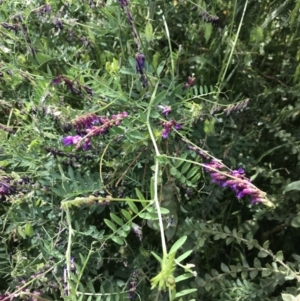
(140, 62)
(69, 140)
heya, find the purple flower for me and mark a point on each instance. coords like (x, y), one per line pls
(88, 90)
(57, 80)
(140, 62)
(124, 3)
(165, 133)
(87, 144)
(85, 121)
(166, 110)
(177, 126)
(168, 126)
(190, 82)
(47, 8)
(69, 140)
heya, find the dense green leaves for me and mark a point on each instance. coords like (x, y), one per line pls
(108, 111)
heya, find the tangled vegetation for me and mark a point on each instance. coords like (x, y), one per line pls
(150, 150)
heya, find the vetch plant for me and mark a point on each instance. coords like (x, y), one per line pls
(104, 193)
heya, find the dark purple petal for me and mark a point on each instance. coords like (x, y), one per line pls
(88, 90)
(178, 126)
(57, 80)
(87, 144)
(140, 62)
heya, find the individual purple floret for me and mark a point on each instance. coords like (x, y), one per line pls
(57, 80)
(166, 110)
(190, 82)
(69, 140)
(47, 8)
(124, 3)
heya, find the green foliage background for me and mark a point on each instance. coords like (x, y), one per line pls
(91, 204)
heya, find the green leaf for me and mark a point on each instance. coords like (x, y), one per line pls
(209, 126)
(21, 232)
(224, 268)
(184, 255)
(288, 297)
(185, 167)
(139, 194)
(253, 274)
(110, 224)
(143, 116)
(279, 255)
(208, 31)
(149, 32)
(296, 222)
(152, 188)
(117, 240)
(257, 263)
(136, 135)
(156, 256)
(126, 214)
(262, 254)
(183, 277)
(185, 292)
(160, 68)
(148, 216)
(177, 163)
(292, 186)
(132, 206)
(159, 97)
(116, 219)
(192, 172)
(179, 243)
(29, 230)
(196, 178)
(176, 173)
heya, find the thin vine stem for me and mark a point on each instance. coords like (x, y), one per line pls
(156, 174)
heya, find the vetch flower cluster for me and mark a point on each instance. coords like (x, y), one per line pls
(168, 125)
(10, 186)
(133, 283)
(74, 86)
(91, 125)
(235, 179)
(233, 108)
(139, 56)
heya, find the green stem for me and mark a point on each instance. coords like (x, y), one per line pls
(156, 174)
(68, 252)
(170, 46)
(220, 82)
